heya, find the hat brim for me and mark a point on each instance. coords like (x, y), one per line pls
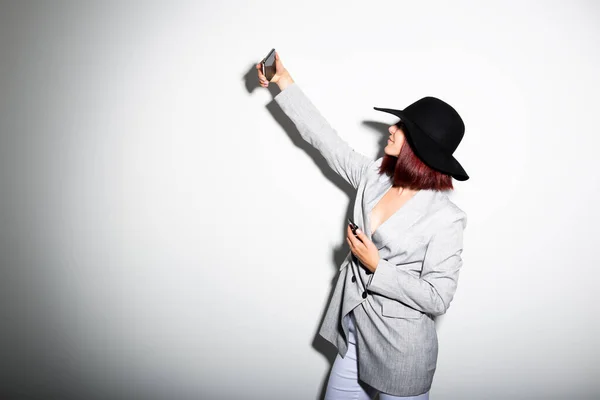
(428, 150)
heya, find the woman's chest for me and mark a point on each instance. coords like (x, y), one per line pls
(387, 206)
(397, 225)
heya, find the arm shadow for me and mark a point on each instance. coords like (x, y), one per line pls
(339, 252)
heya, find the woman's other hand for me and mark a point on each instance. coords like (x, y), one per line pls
(364, 249)
(282, 77)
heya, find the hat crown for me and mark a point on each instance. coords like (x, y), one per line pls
(439, 120)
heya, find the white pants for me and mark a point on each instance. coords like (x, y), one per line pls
(343, 381)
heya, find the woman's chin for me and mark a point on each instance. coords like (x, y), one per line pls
(390, 152)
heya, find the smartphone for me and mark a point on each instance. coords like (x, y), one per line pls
(268, 65)
(353, 226)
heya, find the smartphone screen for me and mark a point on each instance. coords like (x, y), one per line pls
(269, 65)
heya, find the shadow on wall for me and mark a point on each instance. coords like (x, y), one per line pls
(340, 252)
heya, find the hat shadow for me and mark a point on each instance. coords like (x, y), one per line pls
(339, 252)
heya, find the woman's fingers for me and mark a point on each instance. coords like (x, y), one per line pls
(353, 239)
(260, 74)
(261, 77)
(361, 236)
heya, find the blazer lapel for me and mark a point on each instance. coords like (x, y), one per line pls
(374, 188)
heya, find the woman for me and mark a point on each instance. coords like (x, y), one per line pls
(402, 271)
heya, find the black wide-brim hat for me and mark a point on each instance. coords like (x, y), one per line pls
(434, 129)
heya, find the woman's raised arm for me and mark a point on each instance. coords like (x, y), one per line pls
(314, 128)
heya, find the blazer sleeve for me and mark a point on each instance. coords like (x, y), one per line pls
(315, 129)
(433, 291)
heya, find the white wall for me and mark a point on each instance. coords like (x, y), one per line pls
(152, 193)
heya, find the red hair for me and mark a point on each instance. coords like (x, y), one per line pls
(408, 171)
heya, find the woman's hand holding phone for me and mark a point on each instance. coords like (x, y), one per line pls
(282, 77)
(363, 248)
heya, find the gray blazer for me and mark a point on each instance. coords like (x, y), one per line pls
(420, 250)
